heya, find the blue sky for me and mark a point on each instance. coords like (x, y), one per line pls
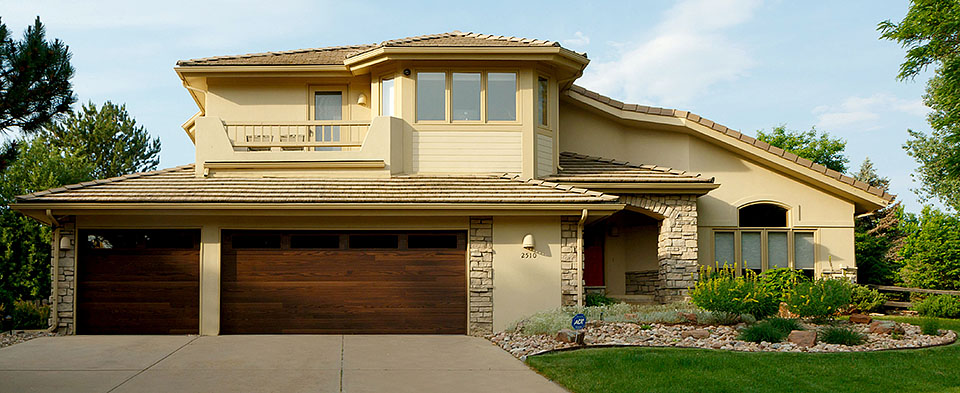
(747, 64)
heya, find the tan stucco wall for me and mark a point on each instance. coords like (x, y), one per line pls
(280, 99)
(741, 181)
(523, 286)
(634, 248)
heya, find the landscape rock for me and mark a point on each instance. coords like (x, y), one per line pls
(784, 311)
(689, 316)
(882, 327)
(860, 318)
(695, 333)
(803, 338)
(567, 336)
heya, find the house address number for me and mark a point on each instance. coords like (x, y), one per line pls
(526, 255)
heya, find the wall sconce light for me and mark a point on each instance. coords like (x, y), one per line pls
(65, 243)
(528, 242)
(362, 100)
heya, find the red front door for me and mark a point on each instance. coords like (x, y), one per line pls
(593, 259)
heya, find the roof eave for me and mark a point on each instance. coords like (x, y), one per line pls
(699, 189)
(555, 55)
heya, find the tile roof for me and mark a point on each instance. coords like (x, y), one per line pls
(335, 55)
(586, 169)
(743, 138)
(180, 185)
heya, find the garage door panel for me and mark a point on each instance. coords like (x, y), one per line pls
(174, 292)
(141, 265)
(359, 291)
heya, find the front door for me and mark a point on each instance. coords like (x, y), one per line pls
(328, 105)
(593, 257)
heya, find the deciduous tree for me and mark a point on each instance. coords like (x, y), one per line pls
(819, 148)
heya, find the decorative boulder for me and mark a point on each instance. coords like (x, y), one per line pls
(567, 336)
(784, 311)
(689, 316)
(695, 333)
(860, 318)
(803, 338)
(883, 327)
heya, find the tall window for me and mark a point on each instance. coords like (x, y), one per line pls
(542, 92)
(765, 241)
(502, 96)
(386, 97)
(466, 96)
(328, 105)
(431, 96)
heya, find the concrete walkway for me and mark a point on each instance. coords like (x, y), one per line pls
(309, 363)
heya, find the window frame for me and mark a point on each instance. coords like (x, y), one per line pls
(380, 95)
(542, 120)
(448, 95)
(764, 245)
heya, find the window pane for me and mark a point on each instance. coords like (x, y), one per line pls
(723, 248)
(374, 241)
(255, 241)
(466, 96)
(777, 250)
(328, 105)
(432, 241)
(763, 215)
(803, 250)
(501, 96)
(386, 97)
(542, 100)
(750, 247)
(431, 87)
(315, 241)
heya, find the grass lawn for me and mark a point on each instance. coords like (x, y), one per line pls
(697, 370)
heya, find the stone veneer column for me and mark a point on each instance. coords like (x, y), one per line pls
(64, 276)
(569, 290)
(481, 276)
(676, 244)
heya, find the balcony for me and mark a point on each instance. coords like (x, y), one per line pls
(348, 148)
(317, 135)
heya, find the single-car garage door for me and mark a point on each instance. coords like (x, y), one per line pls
(347, 283)
(138, 282)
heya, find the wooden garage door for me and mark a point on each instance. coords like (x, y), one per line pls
(350, 283)
(138, 282)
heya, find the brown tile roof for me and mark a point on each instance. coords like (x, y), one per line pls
(586, 169)
(180, 185)
(337, 54)
(837, 176)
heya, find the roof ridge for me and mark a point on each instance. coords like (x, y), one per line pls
(613, 161)
(736, 135)
(102, 181)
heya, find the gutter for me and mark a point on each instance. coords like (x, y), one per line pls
(583, 218)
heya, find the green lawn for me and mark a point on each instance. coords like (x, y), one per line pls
(696, 370)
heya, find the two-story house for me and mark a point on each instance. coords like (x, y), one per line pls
(448, 183)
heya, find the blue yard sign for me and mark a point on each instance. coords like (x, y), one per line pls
(579, 321)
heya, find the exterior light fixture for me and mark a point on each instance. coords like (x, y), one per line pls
(362, 100)
(528, 242)
(65, 243)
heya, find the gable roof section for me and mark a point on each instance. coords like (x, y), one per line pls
(337, 54)
(587, 169)
(180, 185)
(828, 176)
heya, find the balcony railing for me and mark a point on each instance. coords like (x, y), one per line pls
(298, 135)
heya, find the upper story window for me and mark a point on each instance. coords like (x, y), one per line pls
(543, 88)
(471, 96)
(431, 98)
(387, 96)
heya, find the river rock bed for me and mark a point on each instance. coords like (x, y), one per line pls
(714, 337)
(18, 336)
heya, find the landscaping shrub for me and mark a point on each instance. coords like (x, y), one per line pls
(930, 326)
(942, 306)
(864, 299)
(29, 315)
(786, 325)
(842, 335)
(781, 281)
(729, 296)
(599, 299)
(931, 252)
(763, 331)
(820, 299)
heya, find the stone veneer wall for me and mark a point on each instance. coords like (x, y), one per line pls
(642, 282)
(569, 291)
(64, 274)
(677, 242)
(481, 276)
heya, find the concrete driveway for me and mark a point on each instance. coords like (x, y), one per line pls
(308, 363)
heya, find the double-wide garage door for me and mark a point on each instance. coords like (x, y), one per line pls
(323, 282)
(147, 282)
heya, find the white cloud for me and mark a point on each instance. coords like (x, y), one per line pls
(688, 52)
(865, 113)
(579, 40)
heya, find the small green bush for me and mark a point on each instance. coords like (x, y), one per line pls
(864, 299)
(729, 296)
(646, 327)
(29, 315)
(842, 335)
(786, 325)
(599, 299)
(941, 306)
(930, 326)
(763, 331)
(781, 281)
(820, 299)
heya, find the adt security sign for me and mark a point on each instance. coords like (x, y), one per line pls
(579, 321)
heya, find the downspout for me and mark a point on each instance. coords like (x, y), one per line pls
(583, 218)
(55, 250)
